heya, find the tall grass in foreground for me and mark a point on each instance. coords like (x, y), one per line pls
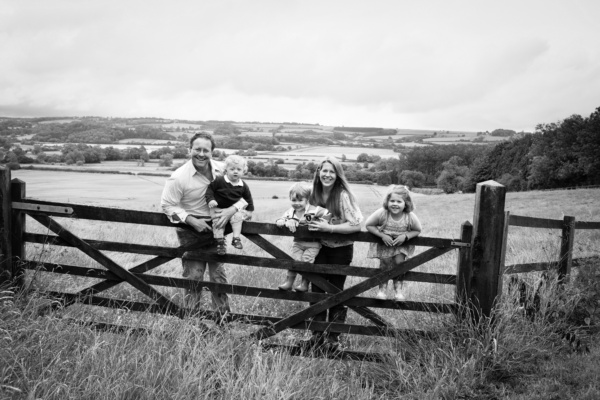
(46, 356)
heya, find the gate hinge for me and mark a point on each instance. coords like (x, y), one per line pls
(41, 207)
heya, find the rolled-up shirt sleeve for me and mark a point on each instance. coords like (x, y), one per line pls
(171, 199)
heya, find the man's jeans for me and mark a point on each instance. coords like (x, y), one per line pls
(194, 269)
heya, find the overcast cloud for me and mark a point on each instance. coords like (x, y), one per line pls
(456, 65)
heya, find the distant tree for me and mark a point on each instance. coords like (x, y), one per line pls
(362, 157)
(384, 179)
(41, 158)
(166, 160)
(343, 157)
(339, 136)
(503, 132)
(411, 178)
(453, 175)
(227, 129)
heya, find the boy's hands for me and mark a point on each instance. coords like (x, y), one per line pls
(291, 224)
(280, 223)
(212, 204)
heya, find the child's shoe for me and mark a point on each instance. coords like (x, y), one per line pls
(399, 296)
(289, 282)
(302, 286)
(221, 247)
(237, 243)
(381, 295)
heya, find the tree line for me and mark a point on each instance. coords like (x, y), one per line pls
(559, 154)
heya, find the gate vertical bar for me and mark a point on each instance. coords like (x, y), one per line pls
(464, 270)
(5, 225)
(488, 224)
(566, 249)
(17, 188)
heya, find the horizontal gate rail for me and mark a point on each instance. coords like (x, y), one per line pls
(178, 252)
(240, 290)
(158, 219)
(136, 306)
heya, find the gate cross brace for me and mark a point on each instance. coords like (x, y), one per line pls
(318, 280)
(109, 264)
(141, 268)
(351, 292)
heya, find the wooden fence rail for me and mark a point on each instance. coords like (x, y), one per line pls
(568, 226)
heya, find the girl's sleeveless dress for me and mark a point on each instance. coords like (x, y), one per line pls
(392, 228)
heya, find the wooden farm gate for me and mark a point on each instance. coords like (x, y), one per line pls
(476, 277)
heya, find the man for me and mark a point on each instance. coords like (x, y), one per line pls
(183, 200)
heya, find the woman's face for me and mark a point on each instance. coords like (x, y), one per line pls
(327, 175)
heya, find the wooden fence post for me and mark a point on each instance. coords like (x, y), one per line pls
(566, 249)
(17, 189)
(488, 224)
(5, 225)
(464, 270)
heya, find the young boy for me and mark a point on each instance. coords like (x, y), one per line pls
(225, 191)
(300, 213)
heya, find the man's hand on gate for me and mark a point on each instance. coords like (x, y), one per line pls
(198, 224)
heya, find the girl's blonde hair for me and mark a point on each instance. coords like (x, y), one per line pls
(404, 193)
(300, 190)
(235, 159)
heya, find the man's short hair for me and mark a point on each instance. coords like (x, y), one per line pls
(203, 135)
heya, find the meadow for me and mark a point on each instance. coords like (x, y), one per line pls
(45, 356)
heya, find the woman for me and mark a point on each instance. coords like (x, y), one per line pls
(332, 191)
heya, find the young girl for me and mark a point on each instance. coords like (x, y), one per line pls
(395, 224)
(300, 214)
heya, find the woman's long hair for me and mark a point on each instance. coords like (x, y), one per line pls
(340, 185)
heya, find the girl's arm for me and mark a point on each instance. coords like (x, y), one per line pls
(415, 230)
(372, 224)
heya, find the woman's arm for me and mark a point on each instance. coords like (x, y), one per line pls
(351, 214)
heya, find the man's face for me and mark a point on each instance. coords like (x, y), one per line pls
(201, 153)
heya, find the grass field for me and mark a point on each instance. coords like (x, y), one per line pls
(512, 359)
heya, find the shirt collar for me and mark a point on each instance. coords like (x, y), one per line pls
(215, 166)
(239, 182)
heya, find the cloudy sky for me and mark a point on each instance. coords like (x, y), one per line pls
(441, 64)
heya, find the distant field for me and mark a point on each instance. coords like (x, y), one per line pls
(58, 121)
(336, 151)
(182, 125)
(143, 192)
